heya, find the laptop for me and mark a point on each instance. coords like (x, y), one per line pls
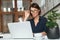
(20, 29)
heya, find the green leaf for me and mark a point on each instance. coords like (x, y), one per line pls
(52, 17)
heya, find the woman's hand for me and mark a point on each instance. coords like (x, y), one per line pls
(43, 33)
(27, 13)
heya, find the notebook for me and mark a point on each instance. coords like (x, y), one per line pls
(20, 29)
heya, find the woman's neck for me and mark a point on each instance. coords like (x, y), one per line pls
(36, 20)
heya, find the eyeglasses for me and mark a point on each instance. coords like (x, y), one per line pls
(33, 11)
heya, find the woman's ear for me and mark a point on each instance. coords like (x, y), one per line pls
(39, 12)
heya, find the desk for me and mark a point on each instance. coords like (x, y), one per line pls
(8, 37)
(14, 39)
(23, 39)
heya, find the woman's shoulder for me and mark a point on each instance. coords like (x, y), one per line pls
(43, 18)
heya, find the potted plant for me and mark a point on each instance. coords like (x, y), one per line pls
(52, 26)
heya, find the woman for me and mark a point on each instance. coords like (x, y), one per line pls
(38, 23)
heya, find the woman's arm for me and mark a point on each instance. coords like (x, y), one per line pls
(27, 13)
(44, 26)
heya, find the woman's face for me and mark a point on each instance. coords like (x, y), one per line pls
(34, 12)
